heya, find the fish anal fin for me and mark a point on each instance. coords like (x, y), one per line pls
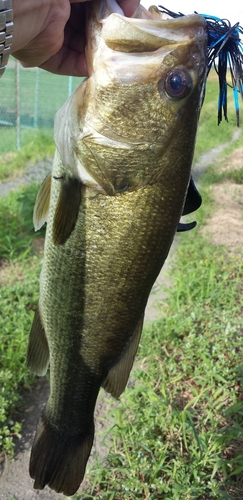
(38, 350)
(67, 209)
(42, 203)
(116, 380)
(59, 459)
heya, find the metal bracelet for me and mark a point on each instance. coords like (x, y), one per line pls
(6, 32)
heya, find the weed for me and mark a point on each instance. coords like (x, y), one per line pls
(209, 134)
(40, 146)
(19, 272)
(16, 224)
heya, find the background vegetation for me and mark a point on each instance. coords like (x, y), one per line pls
(178, 433)
(19, 274)
(29, 100)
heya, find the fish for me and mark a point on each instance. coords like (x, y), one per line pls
(124, 148)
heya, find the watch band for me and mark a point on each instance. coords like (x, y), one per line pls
(6, 32)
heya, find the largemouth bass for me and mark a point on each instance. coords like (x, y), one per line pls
(125, 142)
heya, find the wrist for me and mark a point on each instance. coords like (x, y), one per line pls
(6, 32)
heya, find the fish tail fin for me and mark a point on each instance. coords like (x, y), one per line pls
(59, 459)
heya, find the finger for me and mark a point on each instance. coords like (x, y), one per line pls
(128, 6)
(67, 62)
(77, 18)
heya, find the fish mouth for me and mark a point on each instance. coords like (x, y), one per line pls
(147, 30)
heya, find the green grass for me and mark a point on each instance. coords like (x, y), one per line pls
(27, 135)
(235, 175)
(210, 135)
(178, 433)
(19, 273)
(18, 298)
(37, 145)
(40, 95)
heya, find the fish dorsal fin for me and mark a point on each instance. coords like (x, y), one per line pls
(118, 375)
(67, 209)
(42, 203)
(38, 350)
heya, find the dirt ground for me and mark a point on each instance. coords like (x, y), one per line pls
(224, 227)
(226, 224)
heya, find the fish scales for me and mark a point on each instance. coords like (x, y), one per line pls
(125, 142)
(111, 265)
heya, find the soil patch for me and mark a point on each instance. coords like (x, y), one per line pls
(226, 224)
(225, 227)
(234, 161)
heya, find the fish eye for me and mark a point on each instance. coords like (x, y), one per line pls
(177, 84)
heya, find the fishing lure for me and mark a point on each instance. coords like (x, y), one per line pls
(225, 53)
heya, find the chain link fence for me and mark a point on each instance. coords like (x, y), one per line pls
(28, 103)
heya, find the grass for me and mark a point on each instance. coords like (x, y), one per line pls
(235, 175)
(40, 95)
(27, 135)
(178, 432)
(210, 135)
(38, 145)
(19, 272)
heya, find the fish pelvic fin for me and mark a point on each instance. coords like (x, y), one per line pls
(41, 208)
(67, 209)
(59, 459)
(116, 380)
(38, 350)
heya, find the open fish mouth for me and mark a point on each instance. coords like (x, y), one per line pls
(145, 32)
(150, 32)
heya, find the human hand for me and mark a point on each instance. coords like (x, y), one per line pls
(51, 34)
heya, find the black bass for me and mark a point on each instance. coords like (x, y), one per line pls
(125, 142)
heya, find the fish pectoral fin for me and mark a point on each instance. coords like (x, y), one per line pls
(67, 209)
(59, 459)
(42, 203)
(38, 350)
(118, 375)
